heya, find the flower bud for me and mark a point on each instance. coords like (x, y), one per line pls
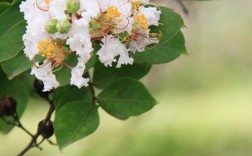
(73, 6)
(63, 26)
(46, 128)
(8, 106)
(50, 26)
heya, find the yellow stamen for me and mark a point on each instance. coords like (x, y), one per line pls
(45, 48)
(135, 4)
(113, 12)
(47, 1)
(142, 21)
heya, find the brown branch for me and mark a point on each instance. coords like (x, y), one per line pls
(20, 125)
(33, 142)
(91, 86)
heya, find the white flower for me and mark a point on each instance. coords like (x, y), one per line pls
(79, 39)
(31, 10)
(91, 8)
(80, 42)
(35, 32)
(120, 25)
(145, 1)
(142, 41)
(45, 74)
(152, 15)
(77, 72)
(57, 9)
(112, 48)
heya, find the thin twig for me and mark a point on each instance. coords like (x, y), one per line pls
(52, 143)
(91, 86)
(19, 124)
(33, 142)
(30, 145)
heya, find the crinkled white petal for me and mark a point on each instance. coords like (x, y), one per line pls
(141, 42)
(35, 31)
(31, 10)
(112, 48)
(57, 9)
(79, 39)
(123, 6)
(45, 74)
(92, 8)
(33, 36)
(31, 43)
(145, 1)
(77, 75)
(152, 15)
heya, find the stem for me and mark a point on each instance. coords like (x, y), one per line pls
(30, 145)
(33, 142)
(20, 125)
(91, 86)
(92, 89)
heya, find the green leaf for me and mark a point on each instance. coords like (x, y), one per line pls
(10, 17)
(126, 98)
(14, 2)
(66, 94)
(4, 6)
(104, 76)
(16, 66)
(74, 121)
(8, 1)
(164, 52)
(64, 74)
(11, 30)
(172, 43)
(17, 89)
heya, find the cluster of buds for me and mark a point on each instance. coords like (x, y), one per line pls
(58, 28)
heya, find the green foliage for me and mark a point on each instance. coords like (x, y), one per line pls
(18, 89)
(74, 121)
(69, 93)
(16, 66)
(104, 76)
(64, 72)
(4, 6)
(172, 43)
(125, 98)
(11, 33)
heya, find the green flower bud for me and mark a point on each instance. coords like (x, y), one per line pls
(50, 26)
(93, 26)
(63, 26)
(73, 6)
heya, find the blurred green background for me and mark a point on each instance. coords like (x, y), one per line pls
(205, 99)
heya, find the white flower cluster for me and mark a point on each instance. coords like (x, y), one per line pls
(58, 28)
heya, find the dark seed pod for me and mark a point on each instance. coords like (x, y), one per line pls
(46, 128)
(8, 106)
(39, 86)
